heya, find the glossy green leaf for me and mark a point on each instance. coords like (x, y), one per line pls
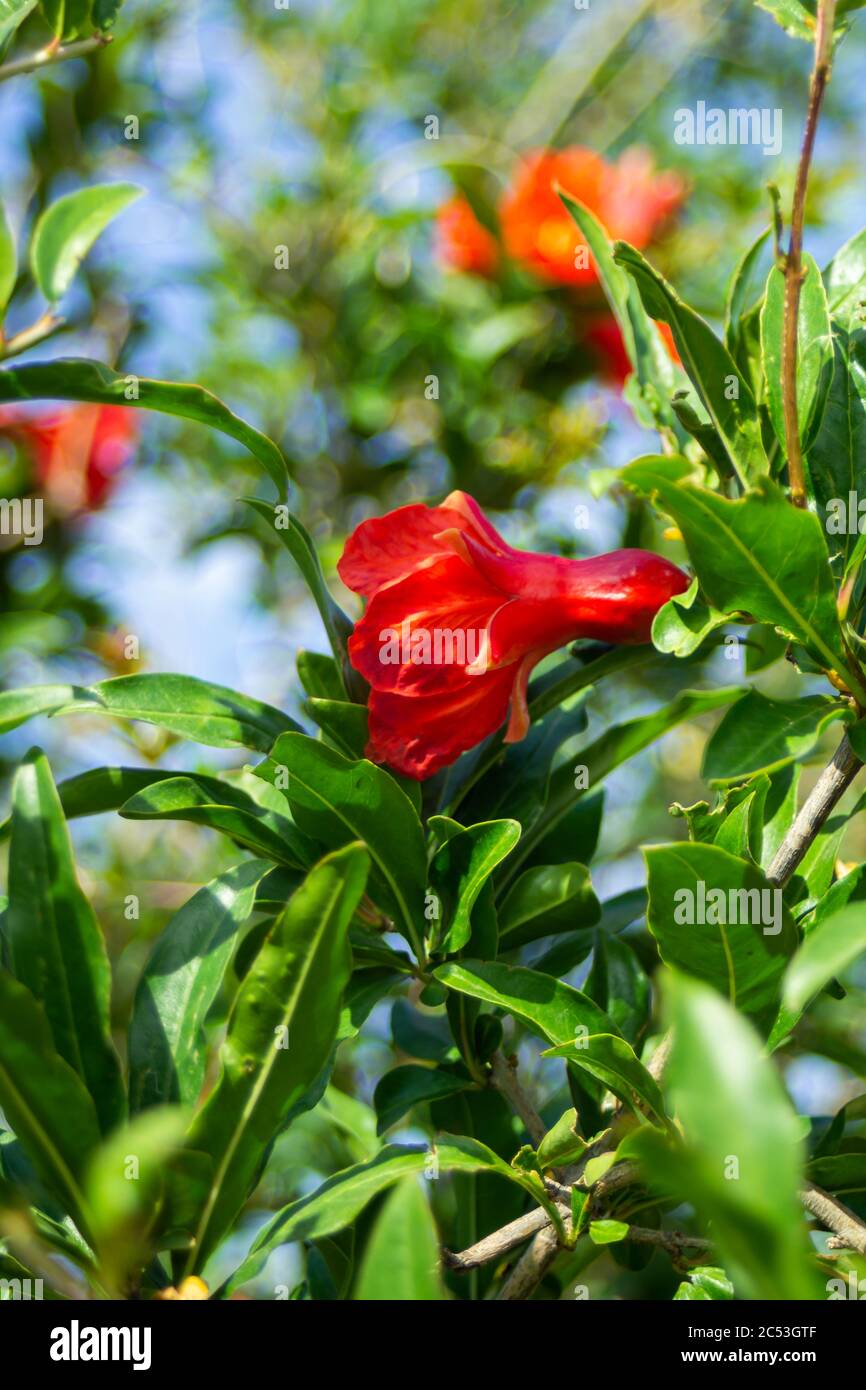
(547, 899)
(619, 984)
(612, 748)
(657, 375)
(756, 555)
(550, 1008)
(561, 1144)
(180, 982)
(459, 871)
(53, 941)
(13, 14)
(403, 1087)
(758, 734)
(705, 1283)
(607, 1232)
(401, 1258)
(280, 1034)
(830, 947)
(337, 1203)
(228, 808)
(43, 1099)
(814, 350)
(335, 800)
(726, 396)
(740, 290)
(320, 676)
(184, 705)
(345, 724)
(716, 918)
(742, 1163)
(836, 458)
(613, 1062)
(298, 543)
(685, 622)
(80, 379)
(66, 230)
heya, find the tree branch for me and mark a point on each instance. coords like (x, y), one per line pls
(834, 780)
(794, 260)
(52, 53)
(835, 1216)
(503, 1076)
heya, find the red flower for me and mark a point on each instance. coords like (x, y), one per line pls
(456, 620)
(462, 242)
(604, 337)
(631, 201)
(77, 452)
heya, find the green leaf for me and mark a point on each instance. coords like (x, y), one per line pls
(619, 985)
(184, 705)
(830, 947)
(548, 1007)
(561, 1144)
(280, 1034)
(612, 1061)
(102, 789)
(320, 676)
(167, 1051)
(404, 1087)
(53, 940)
(8, 259)
(459, 871)
(814, 351)
(335, 800)
(716, 918)
(12, 15)
(344, 723)
(837, 456)
(231, 810)
(297, 541)
(658, 376)
(739, 290)
(741, 1166)
(705, 1282)
(66, 230)
(124, 1188)
(607, 1232)
(105, 12)
(17, 706)
(685, 622)
(80, 379)
(401, 1258)
(792, 16)
(615, 746)
(43, 1099)
(547, 899)
(760, 735)
(756, 555)
(336, 1204)
(726, 396)
(845, 279)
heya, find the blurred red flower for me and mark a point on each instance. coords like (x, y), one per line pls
(456, 620)
(77, 453)
(462, 242)
(631, 199)
(604, 337)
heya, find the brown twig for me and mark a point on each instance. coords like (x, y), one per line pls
(794, 260)
(835, 1216)
(37, 332)
(833, 782)
(503, 1075)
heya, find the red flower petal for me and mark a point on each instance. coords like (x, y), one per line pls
(418, 735)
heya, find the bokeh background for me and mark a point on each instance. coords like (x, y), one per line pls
(261, 130)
